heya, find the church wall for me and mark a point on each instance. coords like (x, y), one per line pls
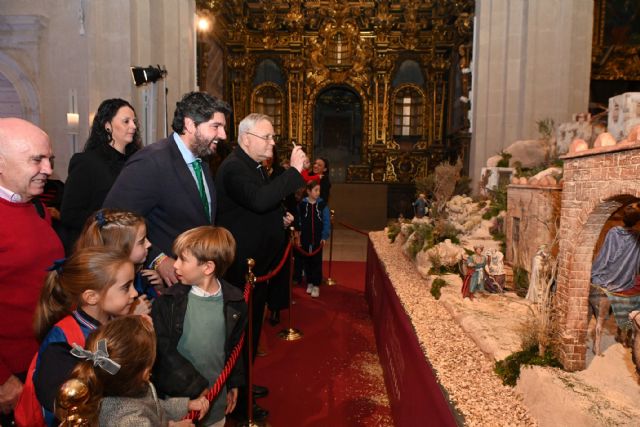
(118, 34)
(531, 62)
(55, 62)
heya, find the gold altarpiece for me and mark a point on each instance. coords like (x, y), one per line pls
(358, 47)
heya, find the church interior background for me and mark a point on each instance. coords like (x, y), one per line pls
(385, 90)
(374, 87)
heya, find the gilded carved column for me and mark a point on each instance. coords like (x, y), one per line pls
(295, 102)
(464, 28)
(238, 67)
(438, 67)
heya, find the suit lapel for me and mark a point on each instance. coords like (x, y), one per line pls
(186, 180)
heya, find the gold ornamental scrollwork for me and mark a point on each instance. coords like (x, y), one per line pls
(383, 23)
(269, 26)
(411, 26)
(423, 144)
(390, 173)
(464, 25)
(317, 72)
(294, 19)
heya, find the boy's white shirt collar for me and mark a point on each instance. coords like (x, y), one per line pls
(198, 291)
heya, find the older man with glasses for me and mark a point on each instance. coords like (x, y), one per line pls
(250, 206)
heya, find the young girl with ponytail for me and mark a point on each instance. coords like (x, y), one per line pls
(116, 368)
(80, 293)
(125, 231)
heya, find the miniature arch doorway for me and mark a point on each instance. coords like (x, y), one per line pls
(337, 129)
(574, 277)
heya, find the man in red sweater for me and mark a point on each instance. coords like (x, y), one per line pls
(28, 245)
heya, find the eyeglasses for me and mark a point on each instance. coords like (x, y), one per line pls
(273, 138)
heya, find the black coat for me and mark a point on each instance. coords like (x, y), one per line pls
(251, 208)
(91, 176)
(157, 184)
(173, 374)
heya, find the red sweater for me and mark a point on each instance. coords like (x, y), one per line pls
(28, 245)
(305, 175)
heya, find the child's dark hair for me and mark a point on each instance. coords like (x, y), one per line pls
(87, 269)
(112, 228)
(131, 342)
(208, 243)
(312, 184)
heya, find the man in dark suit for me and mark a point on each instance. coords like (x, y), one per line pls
(250, 206)
(168, 184)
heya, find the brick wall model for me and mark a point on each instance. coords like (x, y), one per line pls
(596, 183)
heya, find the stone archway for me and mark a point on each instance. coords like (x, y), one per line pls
(23, 86)
(596, 183)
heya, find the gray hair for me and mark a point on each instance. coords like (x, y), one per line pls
(248, 123)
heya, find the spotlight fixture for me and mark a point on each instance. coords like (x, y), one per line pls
(144, 75)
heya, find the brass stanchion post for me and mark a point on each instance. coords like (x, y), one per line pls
(251, 279)
(330, 281)
(72, 395)
(291, 333)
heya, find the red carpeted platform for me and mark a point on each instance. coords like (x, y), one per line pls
(332, 376)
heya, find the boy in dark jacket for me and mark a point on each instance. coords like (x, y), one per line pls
(199, 321)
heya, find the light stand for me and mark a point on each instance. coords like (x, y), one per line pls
(141, 76)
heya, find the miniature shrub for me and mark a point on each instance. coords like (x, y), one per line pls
(422, 238)
(438, 268)
(498, 197)
(436, 286)
(444, 269)
(393, 229)
(509, 369)
(440, 185)
(463, 186)
(520, 281)
(445, 230)
(504, 161)
(546, 127)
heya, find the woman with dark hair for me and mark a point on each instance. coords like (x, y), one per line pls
(113, 138)
(320, 171)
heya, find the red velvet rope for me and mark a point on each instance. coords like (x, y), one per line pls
(231, 362)
(278, 268)
(305, 253)
(351, 227)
